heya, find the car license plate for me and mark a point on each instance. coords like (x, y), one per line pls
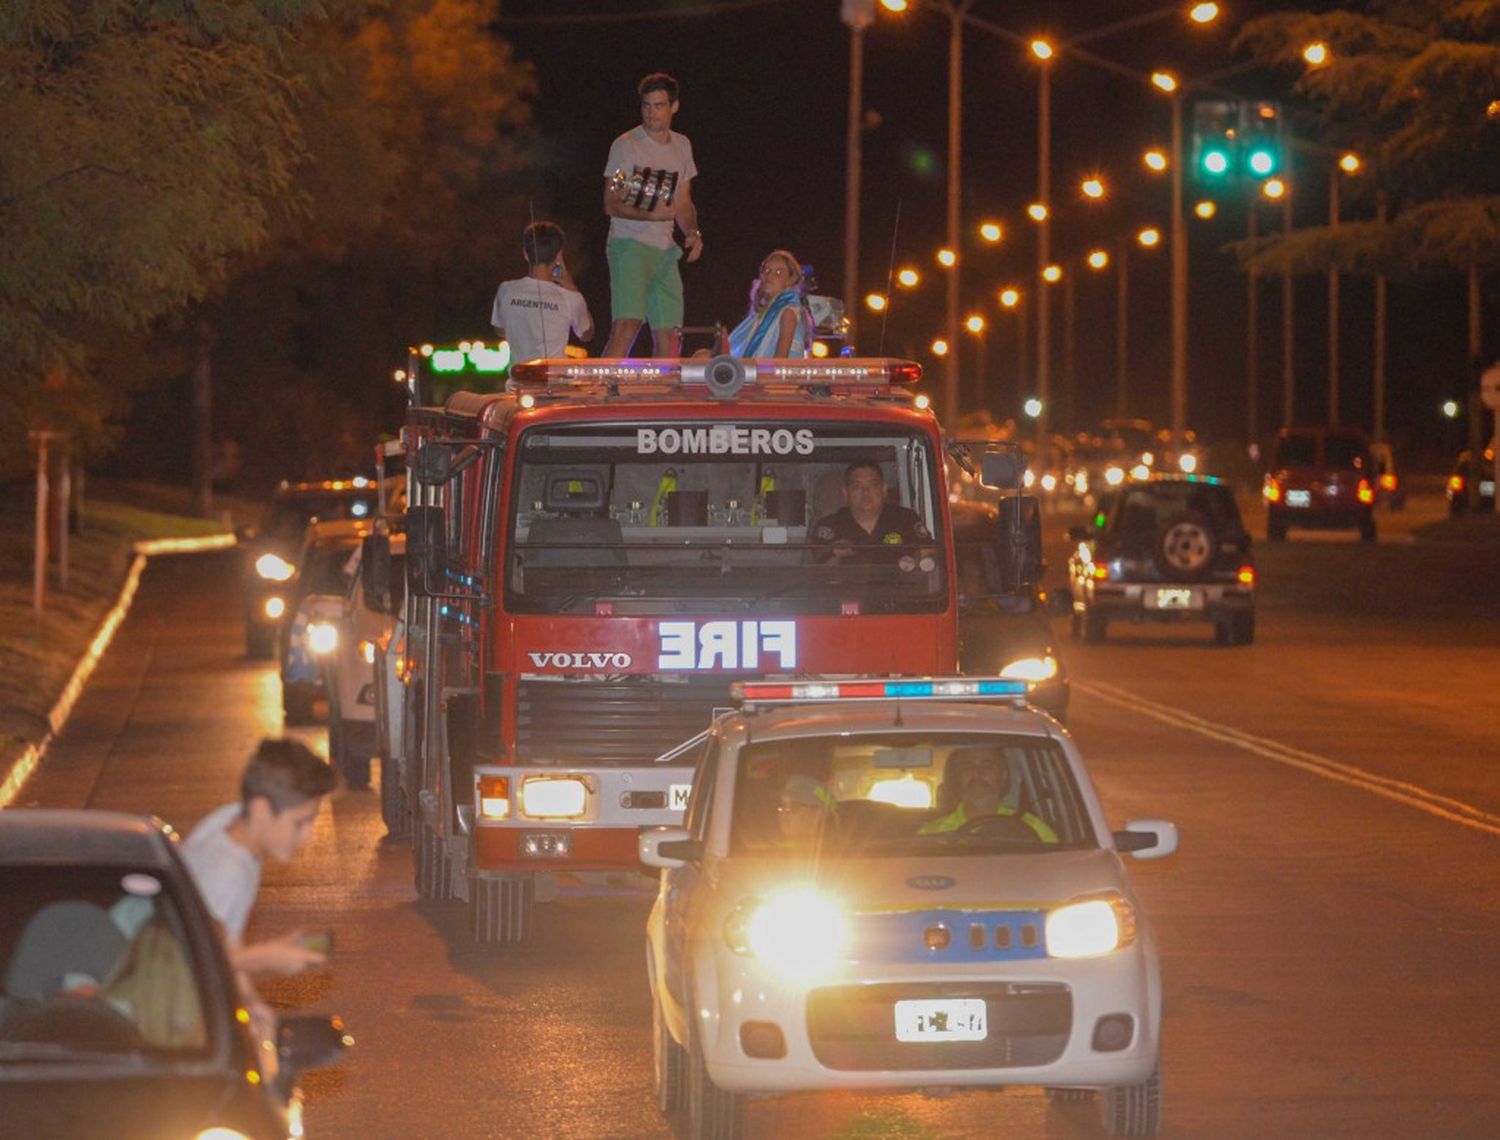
(677, 796)
(1299, 498)
(1177, 598)
(946, 1019)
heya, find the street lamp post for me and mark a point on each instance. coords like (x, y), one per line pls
(858, 14)
(1288, 321)
(1122, 328)
(1252, 330)
(1333, 305)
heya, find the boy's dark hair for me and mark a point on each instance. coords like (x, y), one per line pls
(541, 242)
(287, 773)
(657, 81)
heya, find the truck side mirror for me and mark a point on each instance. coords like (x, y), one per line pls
(426, 551)
(1018, 524)
(1002, 469)
(375, 573)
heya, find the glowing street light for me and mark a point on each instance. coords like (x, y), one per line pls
(1164, 81)
(1042, 49)
(947, 258)
(991, 231)
(940, 347)
(908, 278)
(1199, 14)
(876, 302)
(1032, 407)
(1052, 274)
(1273, 188)
(1316, 53)
(1206, 209)
(819, 349)
(1010, 297)
(1037, 212)
(893, 5)
(1150, 237)
(1093, 188)
(1155, 160)
(1349, 162)
(1450, 409)
(1098, 259)
(974, 323)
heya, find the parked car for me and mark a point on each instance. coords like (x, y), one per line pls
(120, 1015)
(315, 600)
(1457, 487)
(1002, 631)
(888, 885)
(1320, 478)
(272, 546)
(1170, 549)
(349, 668)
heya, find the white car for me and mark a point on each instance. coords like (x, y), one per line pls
(899, 885)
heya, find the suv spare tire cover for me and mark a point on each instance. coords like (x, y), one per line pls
(1187, 546)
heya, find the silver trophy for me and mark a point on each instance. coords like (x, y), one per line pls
(644, 187)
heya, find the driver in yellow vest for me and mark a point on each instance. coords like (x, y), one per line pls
(981, 773)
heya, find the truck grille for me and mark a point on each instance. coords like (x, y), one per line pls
(626, 722)
(853, 1027)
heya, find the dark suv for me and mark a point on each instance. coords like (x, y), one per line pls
(1320, 478)
(1171, 548)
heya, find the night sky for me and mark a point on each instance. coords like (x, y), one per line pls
(764, 101)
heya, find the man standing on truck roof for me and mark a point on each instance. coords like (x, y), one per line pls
(647, 195)
(535, 312)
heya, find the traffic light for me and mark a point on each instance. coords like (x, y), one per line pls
(1216, 149)
(1264, 146)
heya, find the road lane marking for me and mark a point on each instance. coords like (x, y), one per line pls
(1444, 807)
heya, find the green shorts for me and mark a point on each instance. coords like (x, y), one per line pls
(644, 283)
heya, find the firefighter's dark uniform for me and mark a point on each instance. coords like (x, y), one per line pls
(896, 532)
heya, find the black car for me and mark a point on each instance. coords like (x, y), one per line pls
(271, 547)
(1171, 548)
(1002, 632)
(1457, 487)
(119, 1013)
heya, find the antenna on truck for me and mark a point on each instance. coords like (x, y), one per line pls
(890, 271)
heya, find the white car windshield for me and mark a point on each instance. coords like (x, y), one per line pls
(906, 794)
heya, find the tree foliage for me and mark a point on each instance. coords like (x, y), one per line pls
(1411, 86)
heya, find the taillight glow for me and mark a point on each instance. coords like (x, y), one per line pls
(1246, 576)
(1456, 484)
(1387, 482)
(1100, 572)
(1271, 490)
(1365, 493)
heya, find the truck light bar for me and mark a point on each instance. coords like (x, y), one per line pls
(927, 688)
(552, 375)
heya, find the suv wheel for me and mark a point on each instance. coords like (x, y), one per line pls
(1187, 546)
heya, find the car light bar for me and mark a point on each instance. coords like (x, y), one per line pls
(838, 373)
(927, 688)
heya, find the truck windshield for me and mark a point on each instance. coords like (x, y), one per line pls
(714, 517)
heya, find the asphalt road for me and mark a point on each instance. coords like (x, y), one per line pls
(1329, 925)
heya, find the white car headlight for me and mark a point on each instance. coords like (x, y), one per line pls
(1188, 462)
(1033, 669)
(554, 797)
(1114, 476)
(322, 637)
(1090, 928)
(274, 568)
(799, 933)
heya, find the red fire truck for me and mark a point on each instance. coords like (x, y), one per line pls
(596, 554)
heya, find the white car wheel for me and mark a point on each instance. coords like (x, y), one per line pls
(1133, 1110)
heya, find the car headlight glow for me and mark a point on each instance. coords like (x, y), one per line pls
(1090, 928)
(274, 568)
(322, 636)
(367, 651)
(1032, 669)
(554, 797)
(1140, 471)
(1188, 462)
(220, 1134)
(800, 933)
(1114, 476)
(904, 791)
(274, 607)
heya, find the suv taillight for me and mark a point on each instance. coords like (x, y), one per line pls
(1271, 490)
(1456, 484)
(1364, 492)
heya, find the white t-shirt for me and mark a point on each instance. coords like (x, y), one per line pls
(636, 152)
(228, 876)
(536, 315)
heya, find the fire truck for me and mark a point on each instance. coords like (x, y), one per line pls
(597, 553)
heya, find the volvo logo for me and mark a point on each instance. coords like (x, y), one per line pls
(931, 882)
(594, 662)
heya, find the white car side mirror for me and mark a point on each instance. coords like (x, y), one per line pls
(1147, 838)
(678, 843)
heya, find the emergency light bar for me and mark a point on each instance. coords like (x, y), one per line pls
(553, 375)
(745, 693)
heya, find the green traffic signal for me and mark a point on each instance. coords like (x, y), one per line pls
(1262, 161)
(1215, 161)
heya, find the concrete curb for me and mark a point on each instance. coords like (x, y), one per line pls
(19, 767)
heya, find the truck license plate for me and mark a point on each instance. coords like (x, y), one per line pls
(946, 1019)
(677, 797)
(1299, 498)
(1176, 598)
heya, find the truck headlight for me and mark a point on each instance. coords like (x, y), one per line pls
(274, 568)
(1090, 928)
(1032, 669)
(554, 797)
(799, 933)
(322, 637)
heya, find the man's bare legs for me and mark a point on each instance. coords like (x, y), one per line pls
(665, 343)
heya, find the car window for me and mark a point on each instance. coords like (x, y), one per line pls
(1343, 451)
(903, 794)
(96, 959)
(323, 570)
(1296, 451)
